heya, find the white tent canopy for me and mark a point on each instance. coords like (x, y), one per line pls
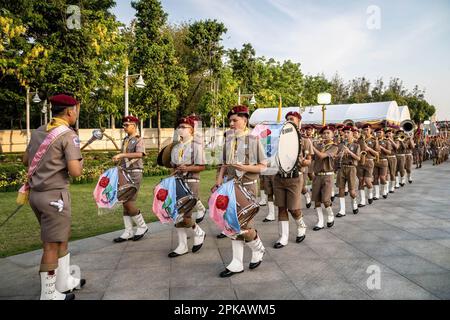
(338, 113)
(404, 113)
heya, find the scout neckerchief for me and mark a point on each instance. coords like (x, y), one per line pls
(182, 145)
(56, 122)
(234, 144)
(124, 150)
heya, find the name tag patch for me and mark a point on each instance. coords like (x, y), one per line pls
(76, 141)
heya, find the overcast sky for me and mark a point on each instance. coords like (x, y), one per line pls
(411, 40)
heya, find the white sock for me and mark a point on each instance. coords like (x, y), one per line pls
(319, 217)
(377, 191)
(342, 203)
(363, 197)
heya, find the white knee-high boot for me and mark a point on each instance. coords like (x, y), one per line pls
(237, 264)
(48, 287)
(341, 212)
(283, 231)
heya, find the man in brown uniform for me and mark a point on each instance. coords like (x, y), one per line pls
(243, 159)
(309, 134)
(267, 182)
(324, 153)
(288, 190)
(133, 150)
(381, 167)
(348, 157)
(50, 197)
(365, 172)
(392, 158)
(401, 159)
(409, 157)
(188, 160)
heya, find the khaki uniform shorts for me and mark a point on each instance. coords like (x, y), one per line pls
(321, 188)
(366, 171)
(288, 192)
(347, 174)
(55, 226)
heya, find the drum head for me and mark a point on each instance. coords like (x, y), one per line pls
(164, 156)
(288, 147)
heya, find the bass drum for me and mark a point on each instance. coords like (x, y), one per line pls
(186, 200)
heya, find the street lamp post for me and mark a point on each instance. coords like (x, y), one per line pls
(323, 99)
(246, 95)
(36, 99)
(139, 84)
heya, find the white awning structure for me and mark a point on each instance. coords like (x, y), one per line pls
(338, 113)
(404, 113)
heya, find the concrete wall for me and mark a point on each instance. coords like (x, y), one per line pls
(15, 140)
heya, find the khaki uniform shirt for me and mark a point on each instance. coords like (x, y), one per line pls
(52, 172)
(188, 153)
(307, 150)
(132, 145)
(242, 149)
(347, 159)
(325, 164)
(387, 145)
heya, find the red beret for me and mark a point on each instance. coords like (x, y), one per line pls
(306, 127)
(340, 126)
(388, 129)
(63, 100)
(366, 126)
(239, 110)
(348, 128)
(326, 128)
(130, 119)
(295, 114)
(378, 129)
(187, 120)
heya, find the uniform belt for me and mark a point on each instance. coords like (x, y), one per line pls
(249, 183)
(400, 154)
(289, 175)
(191, 180)
(381, 159)
(325, 173)
(391, 156)
(370, 159)
(348, 165)
(133, 170)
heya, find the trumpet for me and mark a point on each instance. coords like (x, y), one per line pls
(363, 155)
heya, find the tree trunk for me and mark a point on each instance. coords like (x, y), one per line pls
(113, 122)
(159, 128)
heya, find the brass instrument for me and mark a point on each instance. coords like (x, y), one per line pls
(408, 126)
(401, 136)
(341, 154)
(363, 155)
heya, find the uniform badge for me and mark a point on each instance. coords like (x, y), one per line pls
(76, 141)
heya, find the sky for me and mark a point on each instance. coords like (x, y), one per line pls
(408, 39)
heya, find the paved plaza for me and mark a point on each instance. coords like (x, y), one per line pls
(407, 236)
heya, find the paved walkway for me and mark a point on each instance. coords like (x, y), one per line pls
(407, 236)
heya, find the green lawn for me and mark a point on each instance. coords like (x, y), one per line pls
(21, 233)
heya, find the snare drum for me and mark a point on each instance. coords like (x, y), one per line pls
(125, 186)
(186, 200)
(232, 207)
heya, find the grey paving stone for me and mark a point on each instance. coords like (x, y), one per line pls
(337, 250)
(411, 265)
(96, 261)
(375, 249)
(274, 290)
(136, 260)
(202, 293)
(429, 233)
(392, 235)
(337, 288)
(439, 285)
(142, 293)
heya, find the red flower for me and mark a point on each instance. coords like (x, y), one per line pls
(265, 133)
(162, 194)
(222, 202)
(104, 181)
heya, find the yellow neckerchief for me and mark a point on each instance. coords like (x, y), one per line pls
(181, 148)
(56, 122)
(234, 143)
(328, 145)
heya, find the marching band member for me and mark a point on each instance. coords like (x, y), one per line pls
(288, 190)
(309, 134)
(130, 159)
(267, 181)
(262, 193)
(419, 150)
(409, 157)
(365, 171)
(381, 166)
(324, 153)
(188, 160)
(52, 155)
(401, 153)
(243, 159)
(392, 158)
(348, 157)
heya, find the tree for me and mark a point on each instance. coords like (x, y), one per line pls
(154, 54)
(359, 90)
(339, 90)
